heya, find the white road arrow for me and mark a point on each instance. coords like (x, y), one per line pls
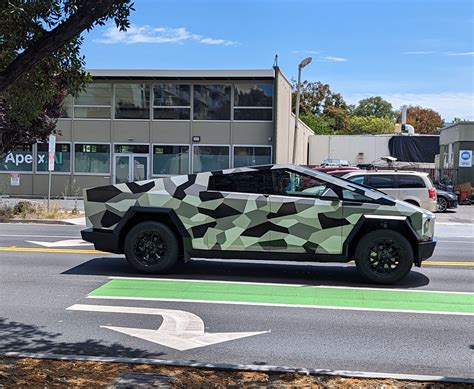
(62, 243)
(180, 330)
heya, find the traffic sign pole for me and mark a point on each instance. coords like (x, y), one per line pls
(51, 152)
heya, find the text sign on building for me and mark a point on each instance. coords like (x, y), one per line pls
(15, 179)
(465, 158)
(51, 151)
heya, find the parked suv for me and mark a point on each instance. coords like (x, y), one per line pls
(413, 187)
(267, 212)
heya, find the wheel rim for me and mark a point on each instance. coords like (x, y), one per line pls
(442, 205)
(149, 248)
(384, 257)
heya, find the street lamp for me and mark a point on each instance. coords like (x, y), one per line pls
(302, 64)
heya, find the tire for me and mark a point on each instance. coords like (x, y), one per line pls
(393, 252)
(151, 247)
(442, 204)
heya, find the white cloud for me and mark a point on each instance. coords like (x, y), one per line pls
(418, 52)
(467, 53)
(156, 35)
(329, 58)
(305, 52)
(448, 104)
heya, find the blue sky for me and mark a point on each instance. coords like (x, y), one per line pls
(408, 51)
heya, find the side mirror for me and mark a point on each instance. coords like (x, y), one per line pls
(329, 195)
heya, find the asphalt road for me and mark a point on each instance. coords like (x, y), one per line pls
(305, 315)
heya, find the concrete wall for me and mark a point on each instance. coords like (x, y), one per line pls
(458, 132)
(285, 126)
(348, 147)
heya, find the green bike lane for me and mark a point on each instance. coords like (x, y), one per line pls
(301, 296)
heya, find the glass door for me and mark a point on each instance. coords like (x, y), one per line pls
(130, 167)
(122, 169)
(139, 167)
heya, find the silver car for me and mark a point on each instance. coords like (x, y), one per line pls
(413, 187)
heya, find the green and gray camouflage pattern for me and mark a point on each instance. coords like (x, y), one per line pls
(217, 220)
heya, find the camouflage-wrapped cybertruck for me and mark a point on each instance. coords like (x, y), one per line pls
(265, 212)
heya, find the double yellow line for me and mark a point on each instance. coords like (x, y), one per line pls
(91, 251)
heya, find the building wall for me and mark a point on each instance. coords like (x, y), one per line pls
(231, 133)
(358, 149)
(285, 126)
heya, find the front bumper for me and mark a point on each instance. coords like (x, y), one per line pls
(103, 240)
(425, 249)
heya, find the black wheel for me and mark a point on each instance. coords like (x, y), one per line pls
(151, 247)
(384, 256)
(442, 204)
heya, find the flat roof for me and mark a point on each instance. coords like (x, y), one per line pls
(182, 74)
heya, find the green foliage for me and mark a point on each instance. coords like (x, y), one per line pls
(374, 106)
(319, 124)
(315, 97)
(40, 60)
(370, 125)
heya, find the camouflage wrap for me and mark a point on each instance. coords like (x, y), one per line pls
(255, 222)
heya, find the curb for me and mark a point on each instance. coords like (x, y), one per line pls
(37, 221)
(256, 368)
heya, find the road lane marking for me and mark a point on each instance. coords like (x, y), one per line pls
(62, 243)
(38, 236)
(305, 296)
(50, 250)
(180, 330)
(282, 284)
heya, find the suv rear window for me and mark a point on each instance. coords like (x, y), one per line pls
(410, 182)
(381, 181)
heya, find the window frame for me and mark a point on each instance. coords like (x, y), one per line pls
(109, 174)
(113, 102)
(170, 144)
(240, 145)
(33, 165)
(111, 106)
(239, 192)
(191, 99)
(421, 179)
(69, 172)
(234, 106)
(209, 145)
(231, 103)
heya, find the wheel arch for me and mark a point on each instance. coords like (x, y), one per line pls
(167, 216)
(369, 223)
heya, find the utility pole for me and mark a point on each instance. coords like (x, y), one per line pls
(302, 64)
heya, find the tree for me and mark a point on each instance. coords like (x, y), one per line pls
(319, 124)
(40, 60)
(374, 106)
(315, 96)
(424, 120)
(370, 125)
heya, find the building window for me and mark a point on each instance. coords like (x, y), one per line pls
(94, 102)
(131, 149)
(171, 102)
(66, 109)
(132, 101)
(208, 158)
(91, 158)
(170, 159)
(212, 102)
(253, 102)
(18, 160)
(252, 155)
(62, 157)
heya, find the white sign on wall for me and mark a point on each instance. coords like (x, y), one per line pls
(15, 179)
(465, 158)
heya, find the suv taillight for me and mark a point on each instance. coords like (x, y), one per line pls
(432, 193)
